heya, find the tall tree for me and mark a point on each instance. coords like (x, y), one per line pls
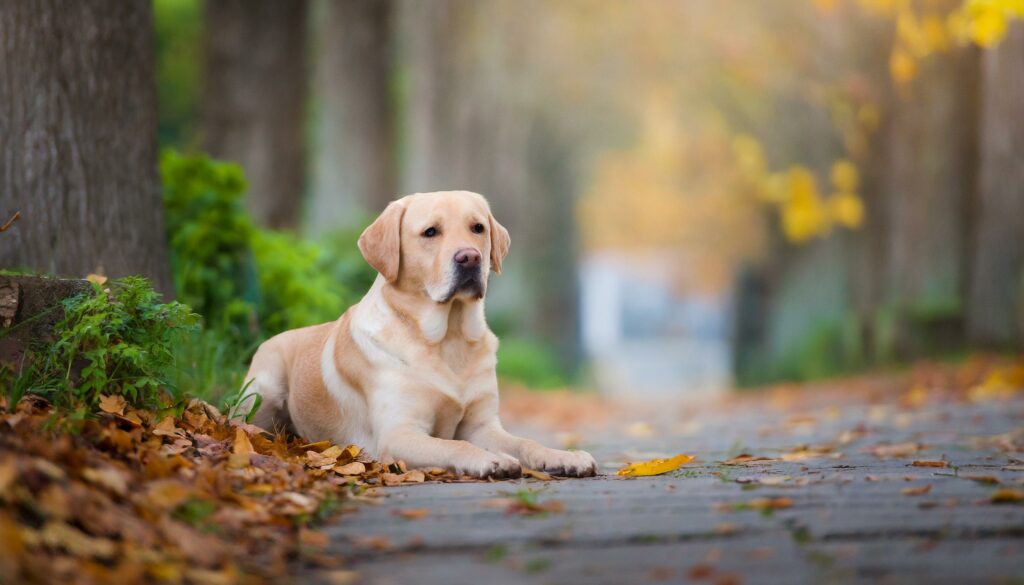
(996, 287)
(78, 154)
(254, 100)
(928, 174)
(355, 172)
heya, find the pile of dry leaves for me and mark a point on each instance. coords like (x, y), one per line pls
(178, 496)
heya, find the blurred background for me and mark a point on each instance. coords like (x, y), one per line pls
(701, 194)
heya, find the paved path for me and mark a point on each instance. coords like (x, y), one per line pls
(849, 520)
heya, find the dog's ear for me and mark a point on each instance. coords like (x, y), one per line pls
(500, 241)
(381, 243)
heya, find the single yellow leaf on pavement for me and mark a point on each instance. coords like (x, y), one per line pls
(655, 466)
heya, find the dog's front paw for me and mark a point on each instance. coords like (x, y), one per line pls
(563, 463)
(493, 465)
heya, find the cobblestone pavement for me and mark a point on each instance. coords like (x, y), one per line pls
(827, 506)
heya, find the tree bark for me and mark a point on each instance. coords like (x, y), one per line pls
(356, 174)
(996, 290)
(78, 149)
(929, 175)
(254, 100)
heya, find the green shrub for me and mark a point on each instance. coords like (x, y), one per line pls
(210, 239)
(114, 341)
(295, 291)
(530, 363)
(249, 283)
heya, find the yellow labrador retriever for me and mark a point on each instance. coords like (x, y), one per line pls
(409, 371)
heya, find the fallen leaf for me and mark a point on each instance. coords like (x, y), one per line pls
(1008, 496)
(986, 479)
(655, 466)
(354, 468)
(166, 428)
(763, 504)
(412, 513)
(313, 538)
(921, 463)
(746, 458)
(107, 477)
(414, 476)
(241, 450)
(700, 571)
(337, 577)
(113, 404)
(381, 543)
(916, 491)
(640, 429)
(894, 451)
(538, 475)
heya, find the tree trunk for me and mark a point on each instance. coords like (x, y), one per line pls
(929, 175)
(355, 173)
(78, 146)
(254, 99)
(996, 290)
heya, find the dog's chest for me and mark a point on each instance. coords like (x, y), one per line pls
(448, 413)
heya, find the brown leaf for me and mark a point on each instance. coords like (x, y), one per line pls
(916, 491)
(895, 451)
(921, 463)
(986, 479)
(412, 513)
(748, 459)
(354, 468)
(313, 538)
(533, 473)
(166, 428)
(113, 404)
(107, 477)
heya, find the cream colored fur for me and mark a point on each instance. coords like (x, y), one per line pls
(409, 371)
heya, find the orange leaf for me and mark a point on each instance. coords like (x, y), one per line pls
(240, 450)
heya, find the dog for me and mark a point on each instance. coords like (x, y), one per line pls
(408, 373)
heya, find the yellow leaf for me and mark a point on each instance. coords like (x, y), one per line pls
(845, 177)
(655, 466)
(902, 66)
(846, 209)
(987, 23)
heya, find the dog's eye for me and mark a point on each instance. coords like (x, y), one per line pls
(429, 232)
(478, 228)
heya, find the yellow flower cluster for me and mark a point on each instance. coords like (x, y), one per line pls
(803, 211)
(983, 22)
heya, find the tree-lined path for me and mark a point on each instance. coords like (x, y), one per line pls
(837, 498)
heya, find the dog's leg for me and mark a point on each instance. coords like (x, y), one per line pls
(266, 378)
(482, 427)
(407, 442)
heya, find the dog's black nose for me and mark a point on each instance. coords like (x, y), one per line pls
(468, 257)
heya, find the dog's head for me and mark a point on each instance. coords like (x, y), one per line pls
(443, 244)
